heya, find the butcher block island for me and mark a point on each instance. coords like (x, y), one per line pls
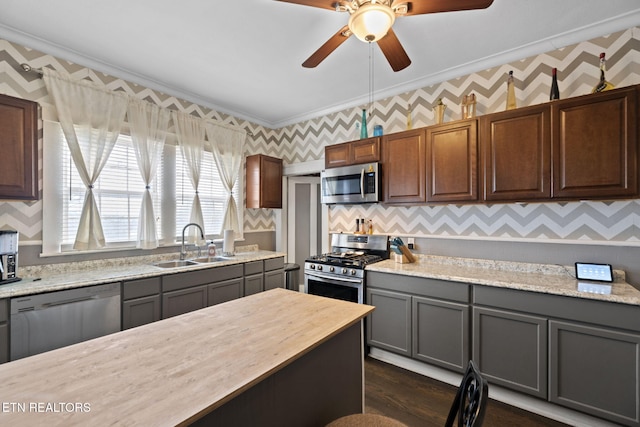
(275, 358)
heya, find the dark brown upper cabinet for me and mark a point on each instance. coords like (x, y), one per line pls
(264, 182)
(404, 167)
(516, 154)
(452, 162)
(18, 149)
(581, 148)
(595, 145)
(352, 153)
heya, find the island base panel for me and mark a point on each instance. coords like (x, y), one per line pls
(315, 389)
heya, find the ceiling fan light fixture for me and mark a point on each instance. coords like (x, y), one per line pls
(371, 21)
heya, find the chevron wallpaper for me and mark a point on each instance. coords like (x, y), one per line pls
(614, 222)
(592, 222)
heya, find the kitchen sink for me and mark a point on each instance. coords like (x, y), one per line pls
(175, 263)
(205, 259)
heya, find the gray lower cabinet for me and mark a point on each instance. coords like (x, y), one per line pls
(389, 325)
(183, 301)
(224, 291)
(274, 273)
(193, 290)
(253, 277)
(140, 302)
(510, 349)
(225, 284)
(425, 319)
(595, 370)
(592, 349)
(273, 279)
(441, 332)
(253, 284)
(4, 330)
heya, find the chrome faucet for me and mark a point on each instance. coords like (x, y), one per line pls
(183, 251)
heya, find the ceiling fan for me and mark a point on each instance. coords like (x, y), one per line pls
(371, 21)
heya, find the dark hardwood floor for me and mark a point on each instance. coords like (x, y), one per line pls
(420, 401)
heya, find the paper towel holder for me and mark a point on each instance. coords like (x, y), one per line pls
(228, 247)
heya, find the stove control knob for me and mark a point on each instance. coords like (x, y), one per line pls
(319, 268)
(331, 269)
(344, 271)
(312, 266)
(353, 272)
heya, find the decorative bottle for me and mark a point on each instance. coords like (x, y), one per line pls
(468, 106)
(471, 107)
(603, 84)
(363, 125)
(409, 121)
(464, 107)
(555, 92)
(439, 110)
(511, 92)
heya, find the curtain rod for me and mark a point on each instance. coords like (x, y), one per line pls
(29, 69)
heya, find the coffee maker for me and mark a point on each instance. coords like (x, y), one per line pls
(8, 256)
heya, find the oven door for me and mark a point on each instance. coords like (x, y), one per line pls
(344, 288)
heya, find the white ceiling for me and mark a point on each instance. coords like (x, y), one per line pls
(243, 57)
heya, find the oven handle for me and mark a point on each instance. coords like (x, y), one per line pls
(329, 278)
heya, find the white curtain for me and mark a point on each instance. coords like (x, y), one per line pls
(227, 146)
(191, 134)
(90, 117)
(148, 132)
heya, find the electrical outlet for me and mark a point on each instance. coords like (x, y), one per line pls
(411, 244)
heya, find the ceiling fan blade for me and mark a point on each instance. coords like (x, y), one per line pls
(323, 4)
(421, 7)
(330, 45)
(394, 52)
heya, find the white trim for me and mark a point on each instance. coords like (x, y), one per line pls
(598, 29)
(608, 26)
(51, 199)
(280, 220)
(303, 168)
(291, 215)
(520, 240)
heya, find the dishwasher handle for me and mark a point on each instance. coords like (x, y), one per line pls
(59, 298)
(69, 301)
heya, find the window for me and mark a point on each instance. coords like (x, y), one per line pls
(210, 190)
(119, 191)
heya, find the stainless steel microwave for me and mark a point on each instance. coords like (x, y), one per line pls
(351, 184)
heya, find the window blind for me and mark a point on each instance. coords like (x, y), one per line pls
(119, 190)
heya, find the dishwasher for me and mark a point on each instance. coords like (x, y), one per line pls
(44, 322)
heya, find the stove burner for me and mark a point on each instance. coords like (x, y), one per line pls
(346, 259)
(344, 255)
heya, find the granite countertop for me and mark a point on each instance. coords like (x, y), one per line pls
(161, 373)
(543, 278)
(55, 277)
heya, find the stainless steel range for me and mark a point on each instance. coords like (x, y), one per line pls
(340, 273)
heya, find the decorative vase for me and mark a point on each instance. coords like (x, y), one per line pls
(363, 126)
(439, 110)
(511, 92)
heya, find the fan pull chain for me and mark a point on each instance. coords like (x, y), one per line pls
(371, 85)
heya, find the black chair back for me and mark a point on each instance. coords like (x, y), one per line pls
(470, 402)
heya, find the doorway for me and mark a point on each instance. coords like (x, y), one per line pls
(306, 221)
